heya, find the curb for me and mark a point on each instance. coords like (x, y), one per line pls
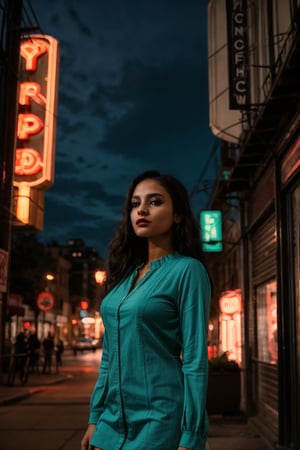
(28, 391)
(18, 397)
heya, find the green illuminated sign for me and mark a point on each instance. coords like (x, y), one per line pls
(211, 231)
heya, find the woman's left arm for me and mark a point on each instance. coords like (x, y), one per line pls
(194, 301)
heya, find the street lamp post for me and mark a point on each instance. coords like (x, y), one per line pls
(100, 277)
(49, 277)
(46, 300)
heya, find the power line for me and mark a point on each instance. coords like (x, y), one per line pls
(201, 179)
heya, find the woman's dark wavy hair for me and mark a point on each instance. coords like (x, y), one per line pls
(126, 250)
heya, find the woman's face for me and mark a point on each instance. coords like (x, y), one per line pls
(152, 214)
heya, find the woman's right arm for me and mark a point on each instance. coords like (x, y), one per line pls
(85, 441)
(97, 399)
(101, 386)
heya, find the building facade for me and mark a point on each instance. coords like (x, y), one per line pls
(85, 291)
(258, 192)
(59, 286)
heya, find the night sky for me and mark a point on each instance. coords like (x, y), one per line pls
(133, 95)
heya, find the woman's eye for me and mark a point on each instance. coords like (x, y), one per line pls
(156, 202)
(135, 204)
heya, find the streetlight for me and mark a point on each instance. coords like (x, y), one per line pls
(45, 300)
(49, 277)
(100, 276)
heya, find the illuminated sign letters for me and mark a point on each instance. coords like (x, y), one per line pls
(230, 302)
(211, 231)
(34, 164)
(237, 54)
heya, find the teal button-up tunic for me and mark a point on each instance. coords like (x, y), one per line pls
(147, 397)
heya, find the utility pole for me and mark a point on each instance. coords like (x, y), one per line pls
(8, 124)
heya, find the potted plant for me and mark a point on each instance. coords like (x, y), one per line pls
(224, 386)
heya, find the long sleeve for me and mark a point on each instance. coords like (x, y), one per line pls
(194, 300)
(101, 386)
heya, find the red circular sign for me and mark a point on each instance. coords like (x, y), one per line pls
(45, 301)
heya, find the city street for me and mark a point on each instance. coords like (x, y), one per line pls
(54, 418)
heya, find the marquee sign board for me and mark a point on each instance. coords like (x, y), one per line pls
(37, 105)
(237, 29)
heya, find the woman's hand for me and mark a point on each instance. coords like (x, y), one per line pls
(85, 441)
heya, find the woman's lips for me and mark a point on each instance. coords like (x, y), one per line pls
(142, 223)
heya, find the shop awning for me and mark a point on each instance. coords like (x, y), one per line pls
(14, 310)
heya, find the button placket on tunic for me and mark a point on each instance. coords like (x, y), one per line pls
(123, 424)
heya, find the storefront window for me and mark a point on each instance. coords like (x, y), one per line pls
(267, 322)
(230, 305)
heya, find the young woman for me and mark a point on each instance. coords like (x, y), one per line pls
(152, 384)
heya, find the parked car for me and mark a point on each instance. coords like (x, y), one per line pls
(85, 343)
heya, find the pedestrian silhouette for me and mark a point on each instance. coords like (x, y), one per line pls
(48, 346)
(34, 345)
(59, 348)
(21, 359)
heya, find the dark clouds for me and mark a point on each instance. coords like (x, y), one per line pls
(133, 95)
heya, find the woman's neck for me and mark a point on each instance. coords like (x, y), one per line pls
(155, 252)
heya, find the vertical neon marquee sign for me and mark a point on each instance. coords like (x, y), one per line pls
(36, 130)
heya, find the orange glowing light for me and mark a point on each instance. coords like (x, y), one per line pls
(84, 304)
(100, 276)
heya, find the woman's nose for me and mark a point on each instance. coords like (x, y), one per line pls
(142, 211)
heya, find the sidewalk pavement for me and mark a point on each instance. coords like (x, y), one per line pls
(226, 433)
(233, 433)
(36, 381)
